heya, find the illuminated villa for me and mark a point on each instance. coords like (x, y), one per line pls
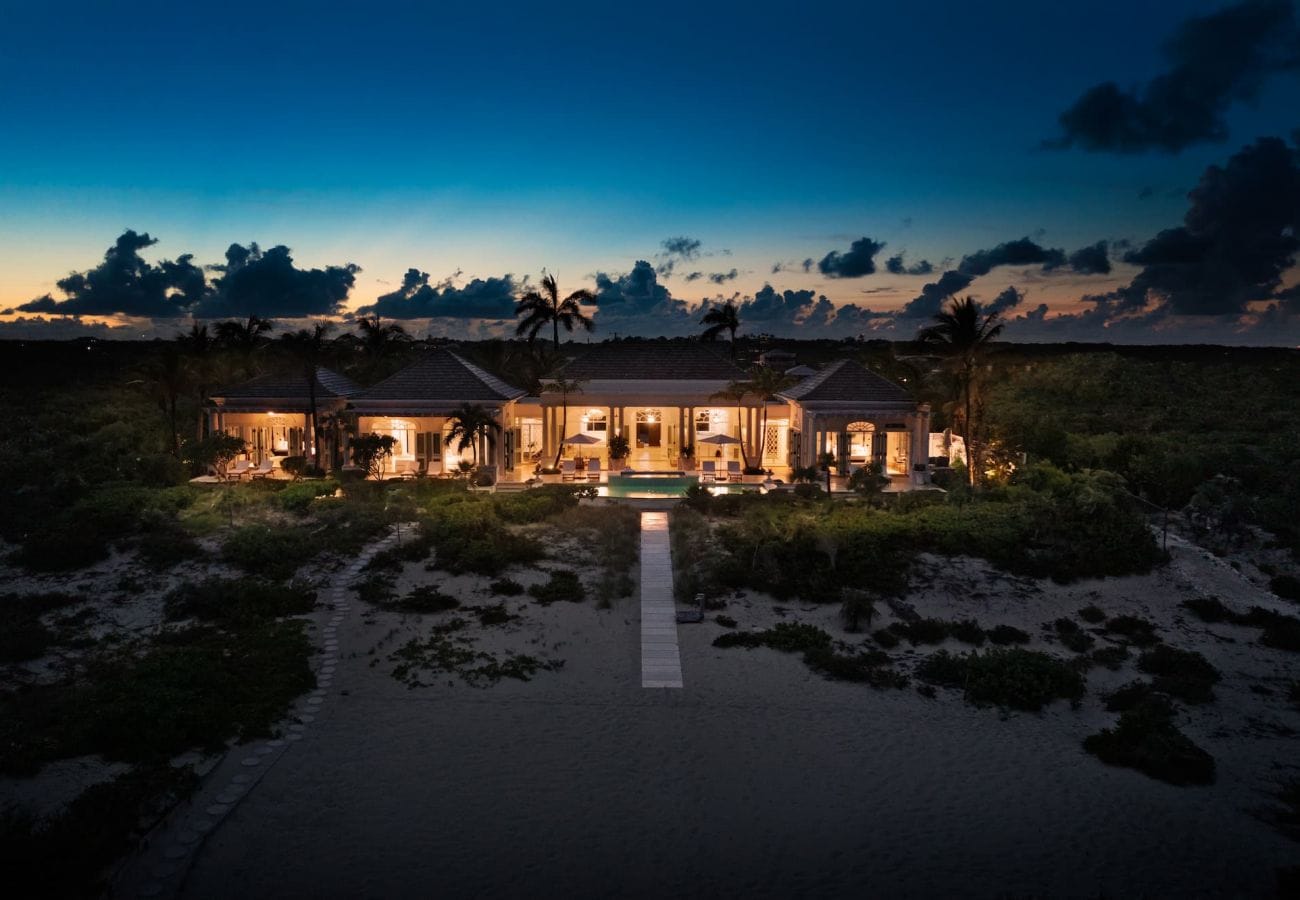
(663, 397)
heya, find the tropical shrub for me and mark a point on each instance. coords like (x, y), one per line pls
(563, 585)
(1015, 678)
(1145, 738)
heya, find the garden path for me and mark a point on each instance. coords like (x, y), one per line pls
(661, 662)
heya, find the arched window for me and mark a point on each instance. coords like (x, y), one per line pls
(861, 435)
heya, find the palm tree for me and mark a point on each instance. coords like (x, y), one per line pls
(963, 334)
(719, 319)
(377, 341)
(244, 338)
(767, 383)
(470, 422)
(563, 386)
(736, 392)
(542, 307)
(167, 379)
(309, 348)
(199, 346)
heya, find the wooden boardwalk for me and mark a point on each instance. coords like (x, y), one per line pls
(661, 663)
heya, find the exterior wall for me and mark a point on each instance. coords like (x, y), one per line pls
(268, 435)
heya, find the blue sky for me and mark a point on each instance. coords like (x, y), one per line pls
(494, 139)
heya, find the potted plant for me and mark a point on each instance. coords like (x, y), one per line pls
(618, 451)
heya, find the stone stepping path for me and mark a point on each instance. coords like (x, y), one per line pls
(160, 867)
(661, 661)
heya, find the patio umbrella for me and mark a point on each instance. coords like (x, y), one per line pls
(720, 439)
(581, 439)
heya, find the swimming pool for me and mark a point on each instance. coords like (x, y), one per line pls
(655, 485)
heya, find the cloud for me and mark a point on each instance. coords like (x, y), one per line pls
(693, 276)
(62, 328)
(1214, 61)
(684, 247)
(1022, 252)
(859, 260)
(1009, 299)
(1091, 260)
(933, 295)
(636, 303)
(896, 266)
(723, 277)
(675, 250)
(808, 264)
(481, 298)
(125, 284)
(268, 284)
(1240, 235)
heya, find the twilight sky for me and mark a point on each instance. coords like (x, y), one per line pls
(1129, 168)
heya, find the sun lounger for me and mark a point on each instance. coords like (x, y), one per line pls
(263, 469)
(405, 468)
(568, 470)
(433, 468)
(237, 469)
(707, 471)
(593, 469)
(733, 470)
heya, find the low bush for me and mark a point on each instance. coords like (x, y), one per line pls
(1280, 632)
(446, 652)
(968, 631)
(536, 505)
(274, 553)
(506, 587)
(788, 637)
(1285, 586)
(1014, 678)
(467, 538)
(856, 608)
(1184, 674)
(869, 667)
(922, 631)
(885, 638)
(496, 614)
(1092, 615)
(166, 545)
(725, 621)
(424, 599)
(238, 600)
(1073, 637)
(562, 586)
(1129, 696)
(1004, 635)
(1145, 738)
(22, 634)
(1136, 630)
(193, 688)
(1208, 609)
(376, 588)
(299, 497)
(69, 854)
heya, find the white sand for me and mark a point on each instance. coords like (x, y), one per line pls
(758, 777)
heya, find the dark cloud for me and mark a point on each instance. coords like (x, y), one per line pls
(1214, 61)
(636, 303)
(896, 266)
(268, 284)
(1146, 193)
(1091, 260)
(723, 277)
(481, 298)
(685, 247)
(124, 283)
(1022, 252)
(1239, 236)
(808, 264)
(692, 276)
(859, 260)
(1009, 299)
(933, 295)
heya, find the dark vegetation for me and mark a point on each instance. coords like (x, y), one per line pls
(447, 651)
(1014, 678)
(1145, 738)
(821, 653)
(1279, 631)
(23, 634)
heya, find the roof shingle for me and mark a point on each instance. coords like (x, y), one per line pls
(846, 381)
(278, 386)
(440, 377)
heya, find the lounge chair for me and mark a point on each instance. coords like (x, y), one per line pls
(405, 468)
(433, 468)
(733, 470)
(568, 470)
(593, 469)
(707, 471)
(263, 469)
(236, 471)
